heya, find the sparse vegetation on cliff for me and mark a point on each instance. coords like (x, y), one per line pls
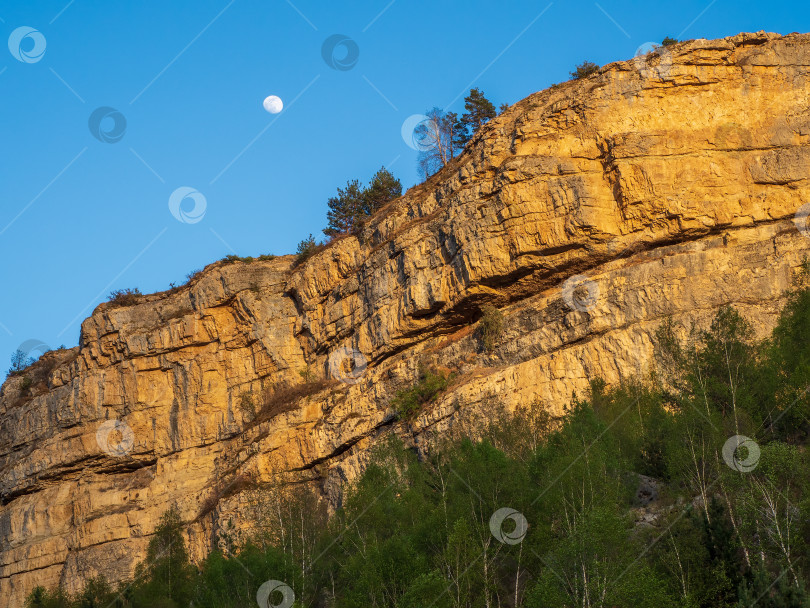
(490, 327)
(247, 404)
(306, 249)
(233, 258)
(285, 397)
(26, 383)
(125, 297)
(584, 69)
(19, 362)
(409, 402)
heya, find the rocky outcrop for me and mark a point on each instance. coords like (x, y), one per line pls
(587, 213)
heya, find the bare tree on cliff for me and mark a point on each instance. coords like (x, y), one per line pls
(435, 137)
(443, 134)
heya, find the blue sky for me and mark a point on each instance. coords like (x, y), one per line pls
(80, 217)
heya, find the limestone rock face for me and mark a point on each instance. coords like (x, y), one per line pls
(665, 186)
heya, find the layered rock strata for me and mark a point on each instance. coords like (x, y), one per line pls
(588, 213)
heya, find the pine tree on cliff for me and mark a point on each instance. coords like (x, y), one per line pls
(456, 132)
(479, 110)
(384, 187)
(354, 203)
(19, 361)
(344, 209)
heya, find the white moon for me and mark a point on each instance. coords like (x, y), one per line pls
(273, 104)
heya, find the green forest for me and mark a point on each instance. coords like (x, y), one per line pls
(687, 488)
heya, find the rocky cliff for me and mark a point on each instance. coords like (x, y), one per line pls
(665, 186)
